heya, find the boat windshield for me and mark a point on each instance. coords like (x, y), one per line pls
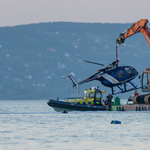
(90, 94)
(98, 96)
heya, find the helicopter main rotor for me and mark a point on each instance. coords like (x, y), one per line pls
(95, 63)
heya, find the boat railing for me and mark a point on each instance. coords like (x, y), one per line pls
(67, 98)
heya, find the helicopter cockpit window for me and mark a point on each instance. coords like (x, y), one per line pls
(129, 71)
(121, 74)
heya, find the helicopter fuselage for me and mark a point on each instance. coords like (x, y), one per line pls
(111, 76)
(117, 75)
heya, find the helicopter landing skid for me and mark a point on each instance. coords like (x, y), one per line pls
(124, 90)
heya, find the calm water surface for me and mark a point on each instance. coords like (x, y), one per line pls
(33, 125)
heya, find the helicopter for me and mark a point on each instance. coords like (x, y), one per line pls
(111, 76)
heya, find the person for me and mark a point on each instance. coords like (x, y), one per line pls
(107, 102)
(136, 93)
(109, 97)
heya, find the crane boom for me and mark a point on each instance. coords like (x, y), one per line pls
(139, 26)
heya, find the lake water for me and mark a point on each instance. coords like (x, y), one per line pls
(33, 125)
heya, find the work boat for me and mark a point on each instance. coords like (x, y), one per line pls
(92, 101)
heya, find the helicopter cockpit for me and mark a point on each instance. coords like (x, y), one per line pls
(129, 71)
(123, 73)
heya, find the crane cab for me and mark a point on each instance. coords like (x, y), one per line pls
(145, 80)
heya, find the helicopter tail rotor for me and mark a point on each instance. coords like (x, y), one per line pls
(75, 83)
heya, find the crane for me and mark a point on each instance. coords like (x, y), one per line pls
(139, 26)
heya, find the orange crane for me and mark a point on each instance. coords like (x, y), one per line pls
(139, 26)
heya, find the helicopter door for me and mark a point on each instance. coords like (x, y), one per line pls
(145, 82)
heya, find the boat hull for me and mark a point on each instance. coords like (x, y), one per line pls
(61, 106)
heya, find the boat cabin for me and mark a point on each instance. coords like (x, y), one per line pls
(93, 95)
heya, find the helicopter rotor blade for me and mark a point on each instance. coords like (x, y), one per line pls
(95, 63)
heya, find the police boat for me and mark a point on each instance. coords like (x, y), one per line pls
(92, 101)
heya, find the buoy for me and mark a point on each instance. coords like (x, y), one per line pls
(115, 122)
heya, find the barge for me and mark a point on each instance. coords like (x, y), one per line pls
(131, 105)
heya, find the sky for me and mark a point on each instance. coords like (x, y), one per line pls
(18, 12)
